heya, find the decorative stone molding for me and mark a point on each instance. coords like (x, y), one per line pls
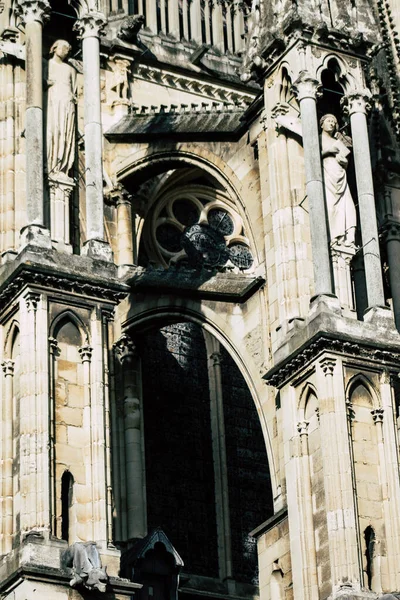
(377, 415)
(85, 353)
(117, 195)
(8, 367)
(328, 365)
(302, 427)
(53, 347)
(391, 231)
(91, 24)
(33, 10)
(204, 89)
(125, 348)
(350, 411)
(216, 358)
(306, 86)
(64, 284)
(358, 101)
(280, 374)
(32, 300)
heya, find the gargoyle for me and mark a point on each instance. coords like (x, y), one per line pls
(86, 566)
(130, 28)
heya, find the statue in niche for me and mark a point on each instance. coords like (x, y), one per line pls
(342, 215)
(340, 205)
(61, 101)
(120, 83)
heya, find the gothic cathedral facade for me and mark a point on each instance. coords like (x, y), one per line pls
(200, 299)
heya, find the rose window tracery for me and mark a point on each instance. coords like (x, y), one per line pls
(198, 226)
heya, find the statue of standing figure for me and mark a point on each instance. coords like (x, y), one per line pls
(340, 206)
(61, 100)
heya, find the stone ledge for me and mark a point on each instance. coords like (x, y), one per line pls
(228, 287)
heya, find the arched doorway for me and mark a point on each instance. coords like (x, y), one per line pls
(207, 476)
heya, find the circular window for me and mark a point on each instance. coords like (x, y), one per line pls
(198, 226)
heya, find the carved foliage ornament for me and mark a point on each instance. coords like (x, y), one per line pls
(33, 10)
(306, 87)
(91, 24)
(124, 348)
(358, 101)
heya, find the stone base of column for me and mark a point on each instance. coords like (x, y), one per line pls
(98, 249)
(380, 315)
(35, 235)
(325, 303)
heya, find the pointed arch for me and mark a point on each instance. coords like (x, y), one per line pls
(344, 76)
(362, 380)
(11, 336)
(69, 316)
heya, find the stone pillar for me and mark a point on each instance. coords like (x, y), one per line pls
(392, 239)
(89, 517)
(8, 455)
(217, 24)
(122, 200)
(310, 566)
(61, 190)
(357, 104)
(338, 481)
(34, 13)
(195, 21)
(238, 26)
(389, 465)
(134, 454)
(90, 26)
(306, 90)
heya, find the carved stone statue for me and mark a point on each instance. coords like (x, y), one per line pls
(130, 27)
(86, 566)
(340, 205)
(334, 151)
(61, 82)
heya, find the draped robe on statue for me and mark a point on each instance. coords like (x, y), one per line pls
(60, 117)
(340, 205)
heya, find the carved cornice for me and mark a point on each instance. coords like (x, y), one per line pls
(213, 91)
(279, 375)
(306, 86)
(33, 10)
(358, 101)
(91, 24)
(63, 284)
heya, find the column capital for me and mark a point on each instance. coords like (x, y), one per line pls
(391, 231)
(216, 358)
(30, 11)
(302, 428)
(91, 24)
(306, 86)
(32, 300)
(125, 348)
(8, 367)
(377, 415)
(118, 195)
(85, 353)
(357, 101)
(328, 365)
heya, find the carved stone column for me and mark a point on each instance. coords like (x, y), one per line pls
(338, 482)
(195, 20)
(135, 506)
(310, 570)
(217, 24)
(392, 239)
(8, 457)
(306, 90)
(122, 200)
(90, 27)
(33, 14)
(357, 105)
